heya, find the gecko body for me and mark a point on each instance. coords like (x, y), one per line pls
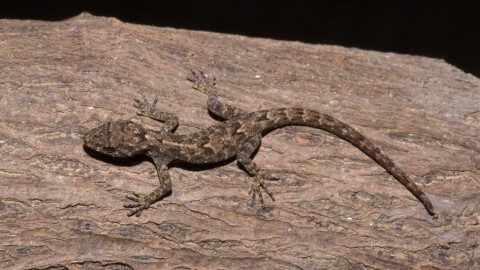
(239, 136)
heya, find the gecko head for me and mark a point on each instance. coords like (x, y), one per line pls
(117, 139)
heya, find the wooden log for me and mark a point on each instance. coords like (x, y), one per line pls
(61, 207)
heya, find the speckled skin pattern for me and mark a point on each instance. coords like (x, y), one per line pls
(239, 135)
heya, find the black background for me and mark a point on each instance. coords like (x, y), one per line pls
(448, 30)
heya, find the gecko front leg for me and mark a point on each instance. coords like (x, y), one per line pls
(258, 175)
(148, 110)
(143, 201)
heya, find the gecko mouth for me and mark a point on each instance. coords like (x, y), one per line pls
(108, 149)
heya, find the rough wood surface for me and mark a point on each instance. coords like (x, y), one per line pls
(61, 208)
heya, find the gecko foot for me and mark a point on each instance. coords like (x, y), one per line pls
(201, 82)
(257, 186)
(140, 205)
(144, 107)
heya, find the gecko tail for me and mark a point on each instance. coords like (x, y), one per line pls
(303, 117)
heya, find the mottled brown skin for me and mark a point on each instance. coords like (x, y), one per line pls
(238, 136)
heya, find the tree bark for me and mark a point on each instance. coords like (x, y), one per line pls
(61, 207)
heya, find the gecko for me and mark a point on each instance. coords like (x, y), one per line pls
(238, 135)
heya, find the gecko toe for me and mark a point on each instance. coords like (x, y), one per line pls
(137, 212)
(137, 197)
(138, 208)
(139, 205)
(201, 82)
(145, 108)
(270, 176)
(256, 189)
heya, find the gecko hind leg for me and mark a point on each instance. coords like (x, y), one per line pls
(208, 86)
(251, 167)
